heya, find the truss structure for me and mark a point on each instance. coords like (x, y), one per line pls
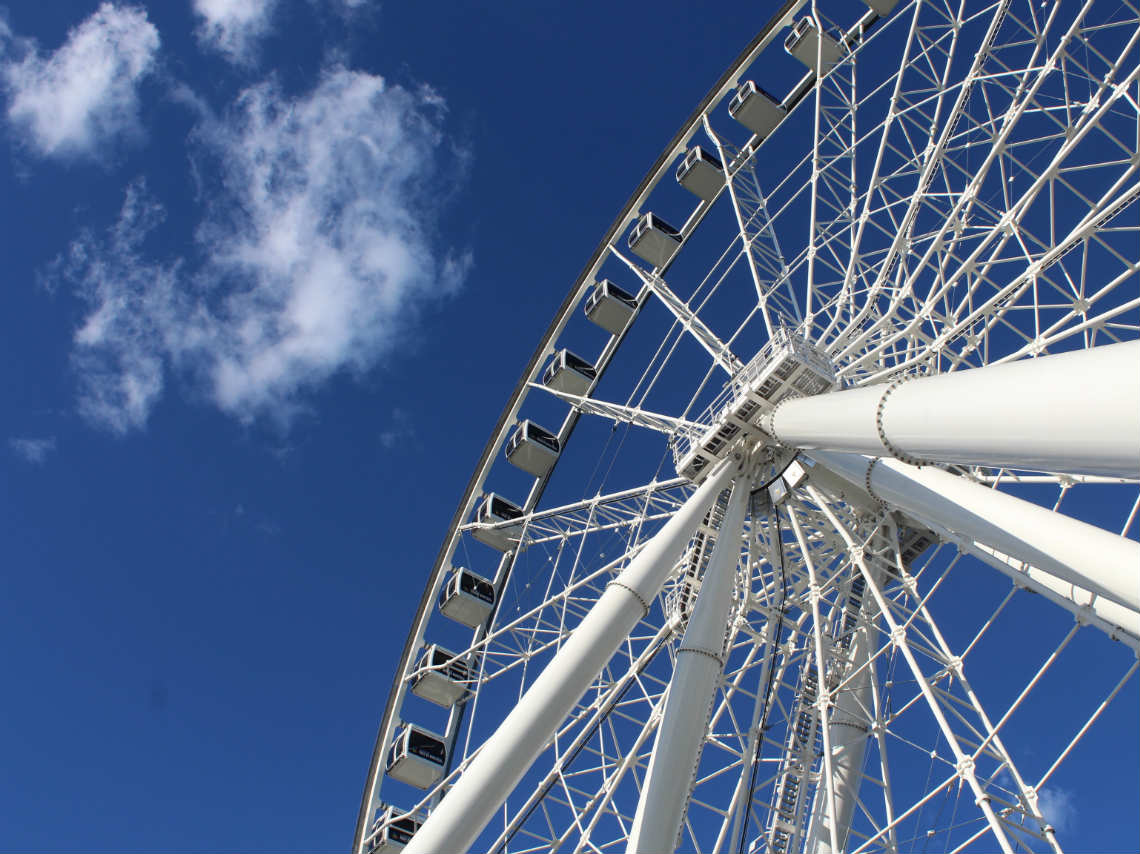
(892, 609)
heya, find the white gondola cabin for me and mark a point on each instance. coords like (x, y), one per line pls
(701, 174)
(417, 757)
(756, 109)
(610, 307)
(807, 44)
(497, 511)
(391, 831)
(533, 449)
(441, 677)
(653, 240)
(569, 373)
(467, 598)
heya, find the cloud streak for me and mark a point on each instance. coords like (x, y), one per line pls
(233, 27)
(1059, 808)
(83, 97)
(34, 451)
(139, 316)
(320, 254)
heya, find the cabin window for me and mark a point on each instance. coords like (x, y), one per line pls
(652, 221)
(504, 509)
(543, 437)
(579, 365)
(440, 657)
(402, 829)
(475, 586)
(618, 294)
(426, 747)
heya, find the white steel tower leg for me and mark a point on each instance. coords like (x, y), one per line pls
(508, 753)
(700, 662)
(848, 728)
(1076, 412)
(1076, 552)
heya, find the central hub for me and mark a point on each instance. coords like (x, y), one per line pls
(786, 366)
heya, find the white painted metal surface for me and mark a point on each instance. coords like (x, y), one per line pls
(684, 723)
(1105, 614)
(1071, 550)
(894, 247)
(1075, 412)
(849, 728)
(506, 755)
(701, 174)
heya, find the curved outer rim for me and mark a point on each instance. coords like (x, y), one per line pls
(630, 210)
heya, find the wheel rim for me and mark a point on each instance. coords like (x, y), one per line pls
(971, 205)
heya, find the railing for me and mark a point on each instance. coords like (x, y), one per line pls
(782, 340)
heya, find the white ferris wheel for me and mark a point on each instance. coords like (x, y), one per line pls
(811, 524)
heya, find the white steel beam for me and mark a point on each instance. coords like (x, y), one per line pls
(508, 753)
(1104, 563)
(1116, 621)
(624, 414)
(848, 730)
(700, 663)
(692, 323)
(1075, 412)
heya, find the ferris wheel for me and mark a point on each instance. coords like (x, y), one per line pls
(812, 523)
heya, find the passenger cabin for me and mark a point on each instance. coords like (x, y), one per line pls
(467, 598)
(495, 511)
(756, 109)
(533, 449)
(569, 373)
(653, 240)
(610, 307)
(391, 831)
(441, 677)
(701, 174)
(807, 44)
(417, 757)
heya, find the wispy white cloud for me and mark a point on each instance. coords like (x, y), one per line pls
(321, 253)
(34, 451)
(326, 225)
(234, 27)
(399, 428)
(350, 7)
(139, 317)
(83, 96)
(1059, 808)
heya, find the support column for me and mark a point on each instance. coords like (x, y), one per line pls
(1118, 622)
(507, 754)
(849, 727)
(1076, 552)
(1077, 413)
(684, 722)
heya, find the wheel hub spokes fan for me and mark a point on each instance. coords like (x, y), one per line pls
(840, 551)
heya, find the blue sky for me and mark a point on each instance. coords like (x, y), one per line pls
(214, 534)
(271, 269)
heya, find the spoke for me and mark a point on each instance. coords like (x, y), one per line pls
(941, 228)
(965, 766)
(625, 414)
(690, 321)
